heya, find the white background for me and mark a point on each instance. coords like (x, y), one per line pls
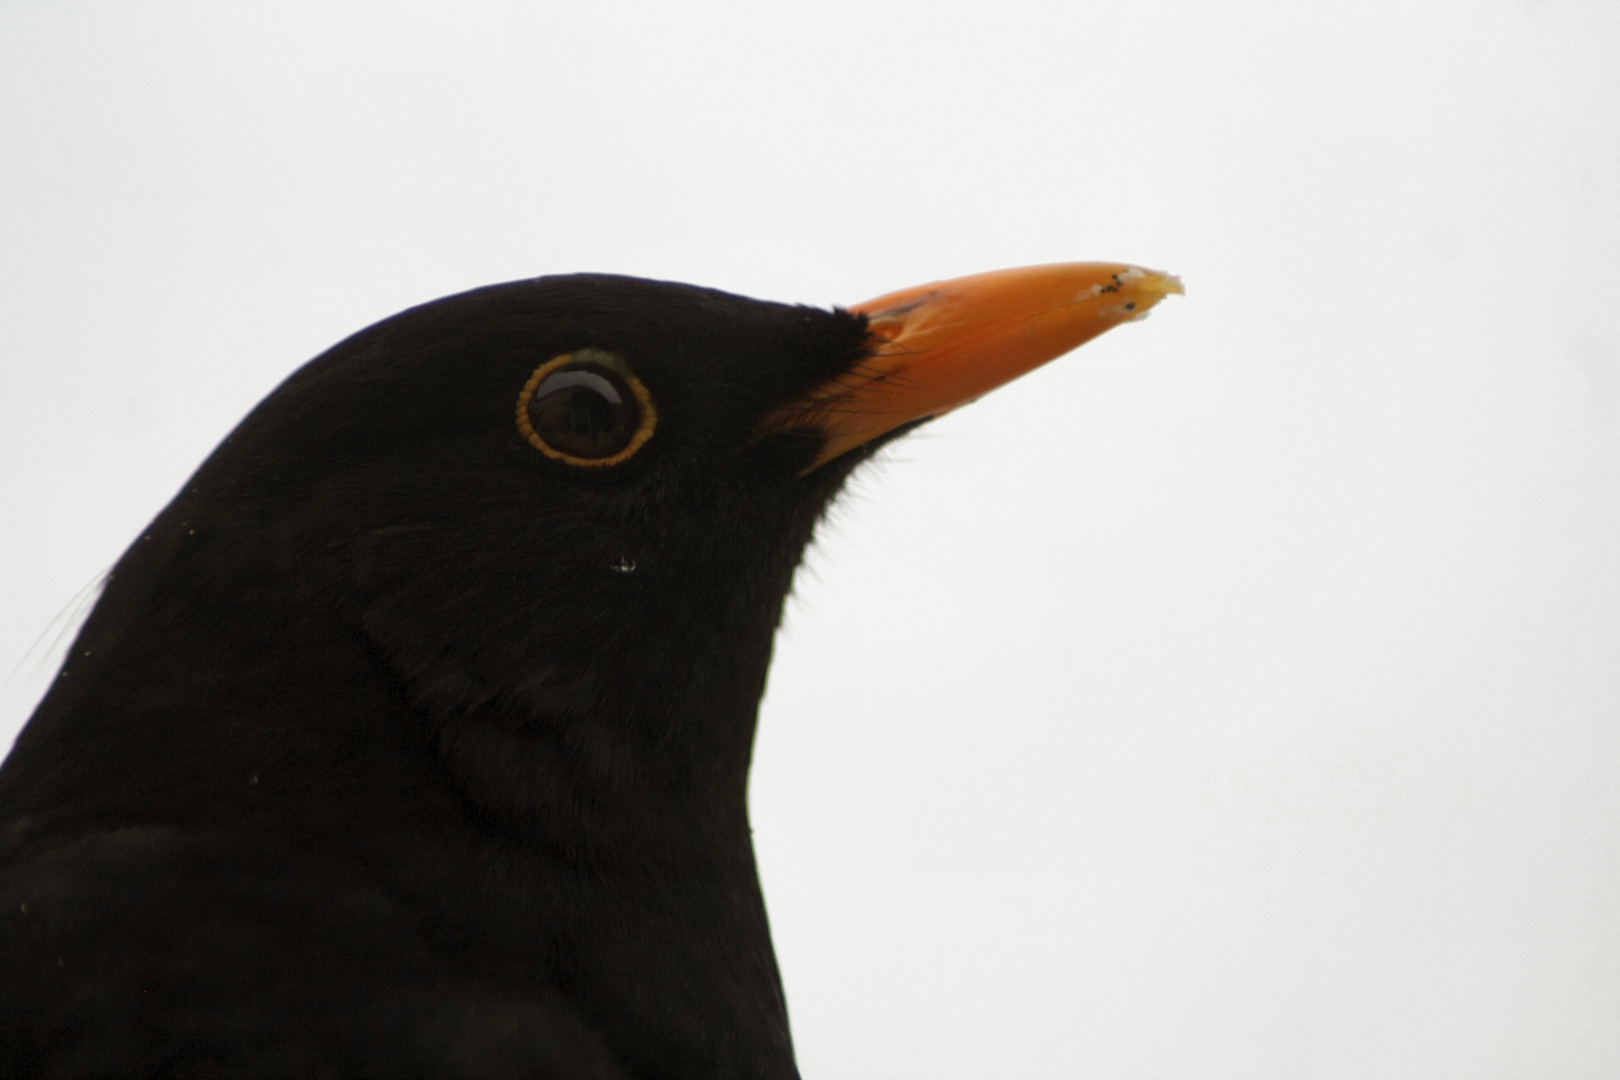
(1237, 698)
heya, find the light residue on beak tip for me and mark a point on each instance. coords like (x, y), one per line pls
(1171, 285)
(1137, 291)
(1139, 282)
(1158, 283)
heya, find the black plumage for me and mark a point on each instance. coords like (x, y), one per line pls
(395, 747)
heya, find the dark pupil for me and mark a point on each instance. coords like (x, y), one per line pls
(586, 412)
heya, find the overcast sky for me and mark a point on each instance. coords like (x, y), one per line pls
(1238, 697)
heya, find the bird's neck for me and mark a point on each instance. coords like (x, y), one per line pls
(604, 853)
(256, 711)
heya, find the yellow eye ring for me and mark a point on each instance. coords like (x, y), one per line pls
(591, 403)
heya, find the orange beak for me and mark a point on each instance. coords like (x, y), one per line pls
(936, 347)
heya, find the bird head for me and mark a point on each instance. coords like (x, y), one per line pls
(578, 498)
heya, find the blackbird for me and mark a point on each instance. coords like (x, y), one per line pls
(412, 738)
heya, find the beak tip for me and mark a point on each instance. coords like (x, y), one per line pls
(1147, 287)
(1155, 283)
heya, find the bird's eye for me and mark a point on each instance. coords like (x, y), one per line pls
(586, 408)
